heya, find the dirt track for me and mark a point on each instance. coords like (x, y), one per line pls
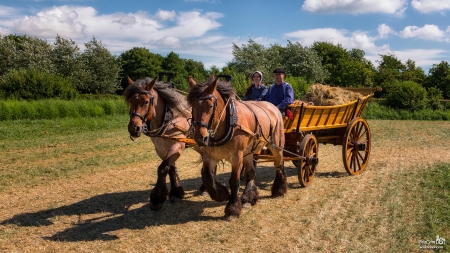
(108, 212)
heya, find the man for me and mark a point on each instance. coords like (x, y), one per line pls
(280, 93)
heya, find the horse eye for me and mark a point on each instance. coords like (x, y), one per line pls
(146, 102)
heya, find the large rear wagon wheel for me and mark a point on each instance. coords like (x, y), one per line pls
(356, 146)
(306, 168)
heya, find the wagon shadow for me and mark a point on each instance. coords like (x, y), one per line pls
(331, 174)
(101, 216)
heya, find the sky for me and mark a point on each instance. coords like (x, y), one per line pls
(205, 30)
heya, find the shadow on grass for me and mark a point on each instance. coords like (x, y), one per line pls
(99, 217)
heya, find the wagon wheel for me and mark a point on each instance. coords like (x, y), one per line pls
(356, 146)
(306, 168)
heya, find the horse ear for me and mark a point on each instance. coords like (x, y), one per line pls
(130, 82)
(151, 84)
(192, 82)
(212, 86)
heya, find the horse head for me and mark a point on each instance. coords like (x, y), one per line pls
(206, 104)
(140, 97)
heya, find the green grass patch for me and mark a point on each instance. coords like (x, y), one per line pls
(435, 193)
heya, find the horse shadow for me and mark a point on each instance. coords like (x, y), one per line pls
(116, 211)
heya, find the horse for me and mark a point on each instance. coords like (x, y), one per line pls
(232, 130)
(160, 112)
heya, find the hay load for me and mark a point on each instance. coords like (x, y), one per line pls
(320, 94)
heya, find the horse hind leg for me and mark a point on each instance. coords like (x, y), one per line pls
(216, 190)
(279, 187)
(176, 189)
(250, 195)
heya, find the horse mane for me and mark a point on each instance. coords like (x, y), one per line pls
(224, 88)
(173, 99)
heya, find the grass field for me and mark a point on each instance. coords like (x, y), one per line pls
(82, 185)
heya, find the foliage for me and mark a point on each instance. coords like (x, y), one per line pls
(439, 77)
(35, 84)
(304, 62)
(101, 70)
(346, 68)
(377, 109)
(407, 95)
(57, 108)
(139, 62)
(25, 52)
(300, 86)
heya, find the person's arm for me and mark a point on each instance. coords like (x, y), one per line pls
(288, 99)
(263, 94)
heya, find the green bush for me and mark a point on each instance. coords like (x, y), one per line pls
(407, 95)
(300, 86)
(32, 84)
(57, 108)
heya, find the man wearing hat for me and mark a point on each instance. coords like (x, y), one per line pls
(280, 93)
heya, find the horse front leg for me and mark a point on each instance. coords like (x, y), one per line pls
(159, 193)
(216, 190)
(250, 195)
(234, 205)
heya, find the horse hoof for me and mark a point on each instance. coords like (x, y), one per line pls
(204, 194)
(174, 199)
(230, 218)
(246, 205)
(155, 207)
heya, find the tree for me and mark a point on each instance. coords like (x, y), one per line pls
(413, 73)
(439, 77)
(195, 69)
(174, 64)
(389, 72)
(101, 70)
(303, 62)
(66, 59)
(334, 58)
(139, 62)
(26, 52)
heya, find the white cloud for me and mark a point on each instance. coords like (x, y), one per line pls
(166, 15)
(348, 40)
(384, 31)
(49, 23)
(426, 6)
(427, 32)
(355, 6)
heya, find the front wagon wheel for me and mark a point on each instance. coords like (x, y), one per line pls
(356, 146)
(306, 168)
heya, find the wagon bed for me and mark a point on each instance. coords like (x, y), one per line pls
(337, 125)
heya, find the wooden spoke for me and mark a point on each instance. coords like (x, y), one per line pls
(356, 146)
(306, 168)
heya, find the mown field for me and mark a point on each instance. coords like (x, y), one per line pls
(81, 185)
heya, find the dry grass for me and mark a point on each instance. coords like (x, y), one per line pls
(104, 208)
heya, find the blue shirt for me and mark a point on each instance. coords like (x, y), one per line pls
(280, 95)
(257, 93)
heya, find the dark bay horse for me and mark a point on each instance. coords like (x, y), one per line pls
(225, 128)
(160, 112)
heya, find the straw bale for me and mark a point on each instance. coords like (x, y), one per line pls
(320, 94)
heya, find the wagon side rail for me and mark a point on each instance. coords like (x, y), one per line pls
(311, 118)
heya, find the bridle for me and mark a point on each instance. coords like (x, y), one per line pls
(231, 118)
(143, 118)
(213, 116)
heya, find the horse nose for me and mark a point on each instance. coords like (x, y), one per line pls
(137, 129)
(202, 140)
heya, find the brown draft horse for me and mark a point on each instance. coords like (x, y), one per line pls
(225, 128)
(161, 113)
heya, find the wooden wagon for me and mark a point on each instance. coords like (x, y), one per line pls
(337, 125)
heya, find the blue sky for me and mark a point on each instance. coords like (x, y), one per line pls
(205, 30)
